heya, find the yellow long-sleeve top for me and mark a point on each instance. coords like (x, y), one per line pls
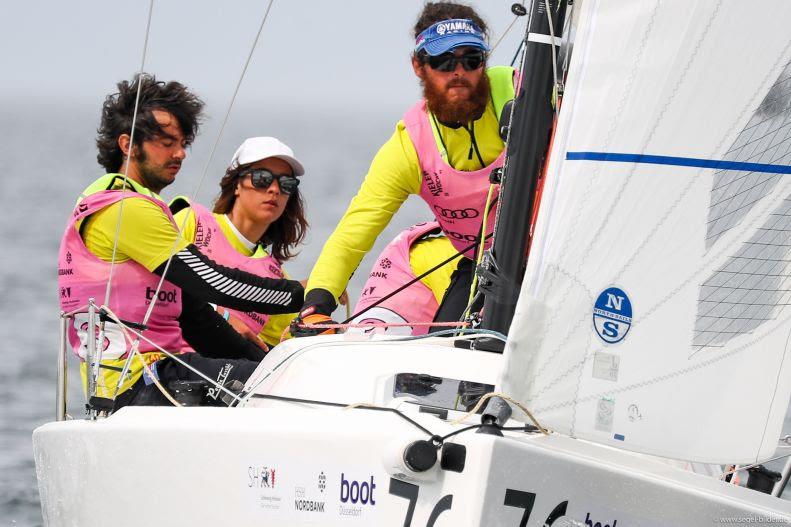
(276, 324)
(102, 232)
(394, 175)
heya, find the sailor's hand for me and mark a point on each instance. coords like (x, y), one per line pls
(304, 325)
(243, 330)
(318, 301)
(344, 298)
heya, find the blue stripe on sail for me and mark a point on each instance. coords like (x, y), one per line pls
(716, 164)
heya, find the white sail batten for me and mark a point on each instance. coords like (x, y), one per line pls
(654, 312)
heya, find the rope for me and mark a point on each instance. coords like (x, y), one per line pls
(128, 157)
(136, 352)
(170, 355)
(414, 280)
(474, 284)
(374, 325)
(208, 161)
(513, 22)
(556, 86)
(507, 398)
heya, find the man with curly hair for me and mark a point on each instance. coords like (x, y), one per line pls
(121, 232)
(443, 149)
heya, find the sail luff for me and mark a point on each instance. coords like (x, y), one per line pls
(527, 148)
(658, 268)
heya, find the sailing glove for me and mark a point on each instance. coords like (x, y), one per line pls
(318, 301)
(318, 307)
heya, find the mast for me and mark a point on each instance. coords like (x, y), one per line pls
(528, 144)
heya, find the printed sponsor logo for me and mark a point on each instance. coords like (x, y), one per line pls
(214, 391)
(612, 315)
(459, 236)
(303, 503)
(202, 235)
(96, 331)
(65, 272)
(162, 296)
(309, 505)
(353, 491)
(368, 290)
(68, 257)
(385, 263)
(275, 270)
(262, 480)
(591, 523)
(65, 292)
(454, 27)
(322, 482)
(82, 207)
(434, 184)
(373, 328)
(378, 274)
(456, 214)
(257, 317)
(261, 477)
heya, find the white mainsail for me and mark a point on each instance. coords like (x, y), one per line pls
(653, 315)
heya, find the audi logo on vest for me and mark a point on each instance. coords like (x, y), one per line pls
(163, 296)
(456, 214)
(357, 492)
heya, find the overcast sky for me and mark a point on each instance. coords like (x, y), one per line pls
(329, 78)
(314, 51)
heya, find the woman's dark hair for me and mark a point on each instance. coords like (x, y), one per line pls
(118, 108)
(435, 12)
(285, 233)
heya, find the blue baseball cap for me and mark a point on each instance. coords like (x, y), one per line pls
(447, 35)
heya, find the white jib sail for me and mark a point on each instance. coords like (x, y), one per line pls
(653, 315)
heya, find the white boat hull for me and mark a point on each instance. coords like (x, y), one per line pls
(285, 463)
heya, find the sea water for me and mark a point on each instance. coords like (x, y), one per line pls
(47, 156)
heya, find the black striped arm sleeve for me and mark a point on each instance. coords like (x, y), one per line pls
(207, 280)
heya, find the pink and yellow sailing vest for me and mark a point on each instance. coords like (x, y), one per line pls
(209, 238)
(82, 276)
(456, 197)
(392, 270)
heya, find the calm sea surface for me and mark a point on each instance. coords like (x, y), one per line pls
(47, 157)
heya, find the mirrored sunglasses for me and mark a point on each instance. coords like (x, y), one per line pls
(262, 178)
(446, 62)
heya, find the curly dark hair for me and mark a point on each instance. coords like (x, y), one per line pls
(118, 108)
(435, 12)
(285, 233)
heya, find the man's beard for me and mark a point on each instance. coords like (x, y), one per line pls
(155, 178)
(459, 111)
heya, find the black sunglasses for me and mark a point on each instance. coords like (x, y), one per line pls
(470, 61)
(263, 178)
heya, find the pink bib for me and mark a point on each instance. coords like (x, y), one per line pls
(392, 270)
(457, 198)
(209, 238)
(82, 275)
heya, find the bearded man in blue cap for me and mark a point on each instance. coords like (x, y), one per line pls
(443, 149)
